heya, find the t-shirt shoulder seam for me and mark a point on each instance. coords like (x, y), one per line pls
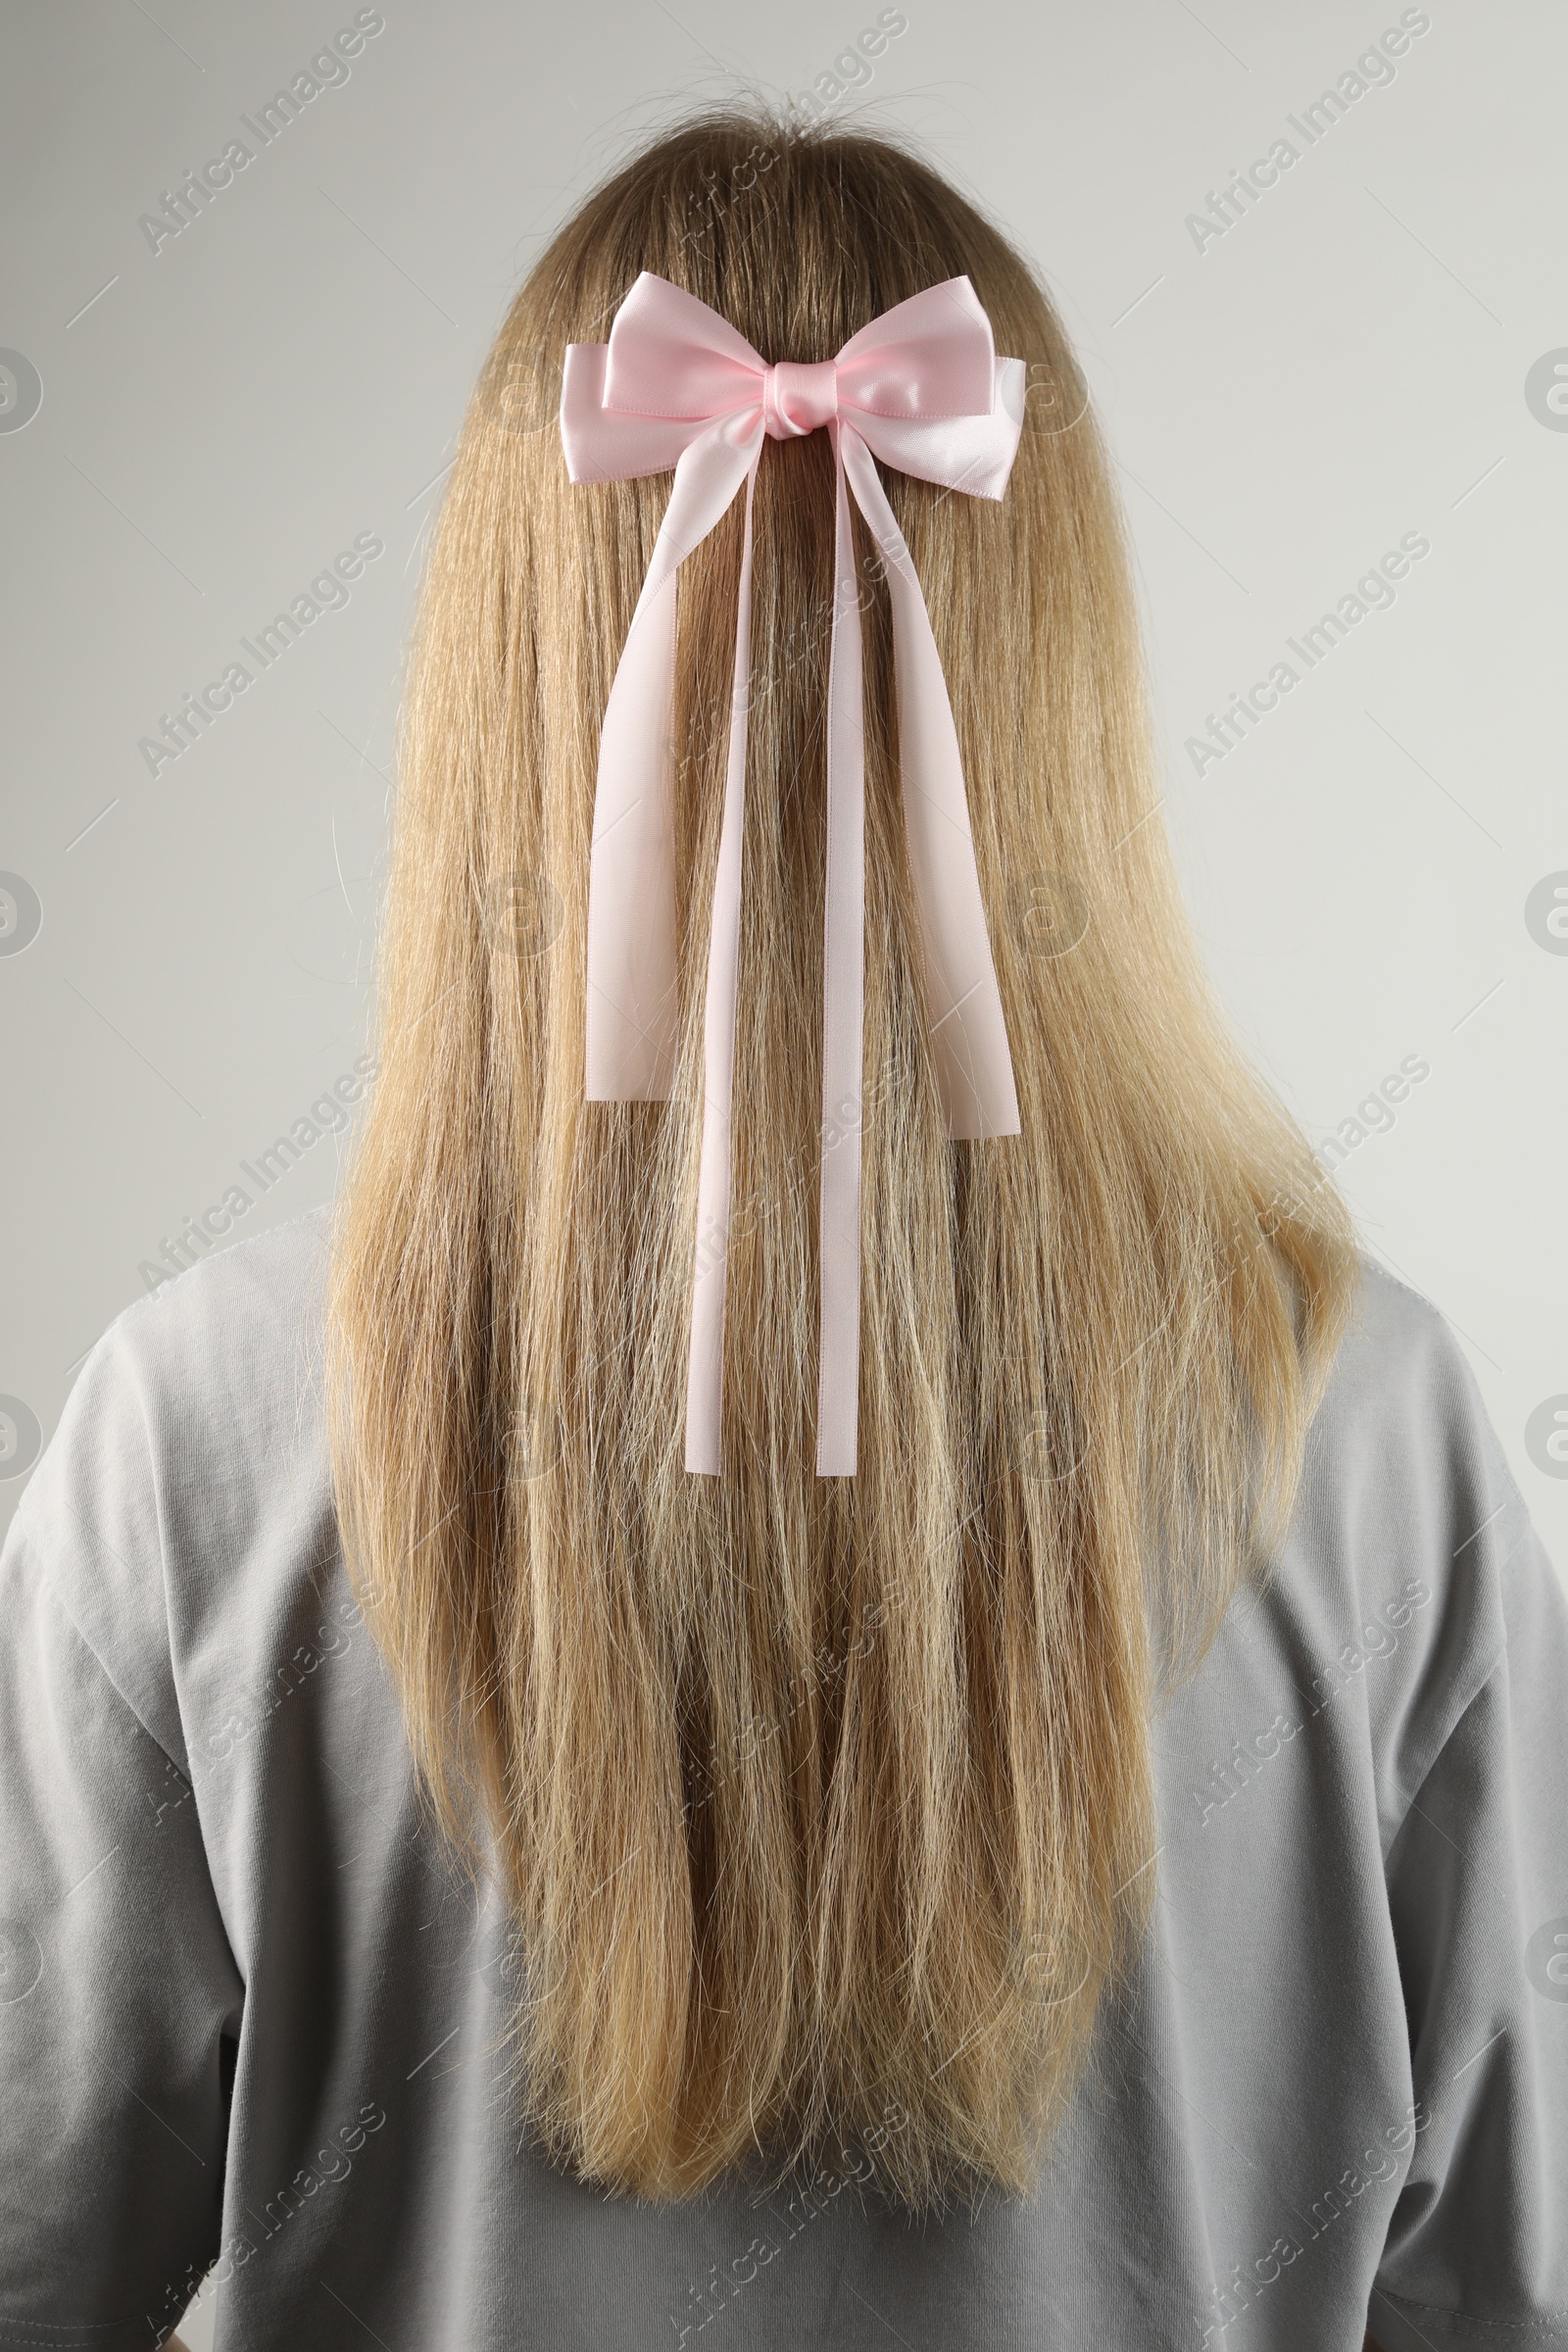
(49, 1589)
(1470, 2319)
(1375, 1265)
(50, 1585)
(312, 1223)
(1429, 1317)
(1480, 1682)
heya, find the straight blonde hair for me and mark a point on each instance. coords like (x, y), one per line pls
(822, 1808)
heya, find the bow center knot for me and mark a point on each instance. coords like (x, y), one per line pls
(796, 399)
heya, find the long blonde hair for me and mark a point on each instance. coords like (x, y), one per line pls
(822, 1808)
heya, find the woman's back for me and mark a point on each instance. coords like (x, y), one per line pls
(253, 2011)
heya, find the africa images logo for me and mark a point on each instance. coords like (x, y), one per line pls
(1546, 390)
(329, 69)
(21, 391)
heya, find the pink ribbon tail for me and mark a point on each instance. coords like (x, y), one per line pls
(632, 1008)
(704, 1371)
(843, 1007)
(968, 1032)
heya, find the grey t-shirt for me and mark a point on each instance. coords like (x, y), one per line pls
(249, 2013)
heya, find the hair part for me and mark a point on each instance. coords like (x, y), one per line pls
(823, 1808)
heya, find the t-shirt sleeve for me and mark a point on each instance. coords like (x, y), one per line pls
(1477, 2250)
(120, 2001)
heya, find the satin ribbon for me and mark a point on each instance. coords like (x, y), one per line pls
(922, 389)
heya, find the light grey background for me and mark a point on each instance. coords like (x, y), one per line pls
(221, 418)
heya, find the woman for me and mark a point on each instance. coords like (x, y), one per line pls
(986, 1773)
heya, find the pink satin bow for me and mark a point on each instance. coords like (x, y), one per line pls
(920, 388)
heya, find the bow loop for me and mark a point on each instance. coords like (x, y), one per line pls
(922, 389)
(669, 355)
(929, 357)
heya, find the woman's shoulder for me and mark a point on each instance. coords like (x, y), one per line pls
(209, 1391)
(1411, 1569)
(1402, 1458)
(248, 1314)
(187, 1478)
(1397, 1350)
